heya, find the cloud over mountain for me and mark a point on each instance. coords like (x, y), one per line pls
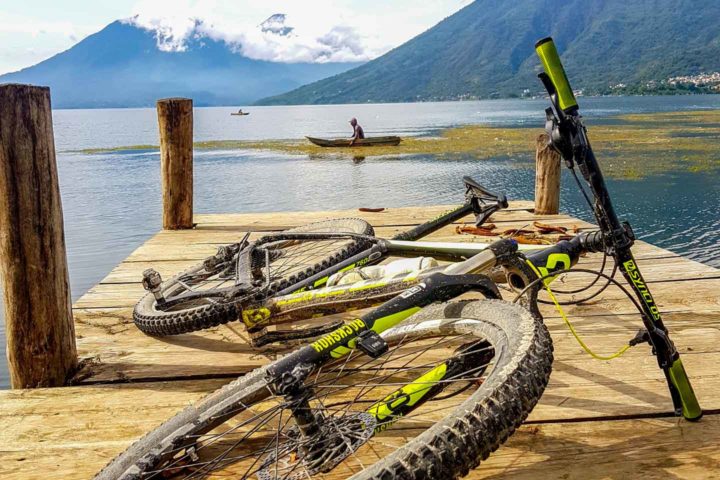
(316, 31)
(276, 39)
(486, 51)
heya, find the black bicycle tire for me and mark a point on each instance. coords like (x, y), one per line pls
(449, 448)
(158, 323)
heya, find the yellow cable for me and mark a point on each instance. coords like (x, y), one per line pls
(570, 326)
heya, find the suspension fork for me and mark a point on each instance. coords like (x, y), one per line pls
(619, 240)
(668, 358)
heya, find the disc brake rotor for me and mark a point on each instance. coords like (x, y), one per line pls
(338, 439)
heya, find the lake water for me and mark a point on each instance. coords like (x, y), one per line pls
(112, 201)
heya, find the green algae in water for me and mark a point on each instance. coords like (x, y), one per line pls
(636, 146)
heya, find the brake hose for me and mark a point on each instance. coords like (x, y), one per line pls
(560, 310)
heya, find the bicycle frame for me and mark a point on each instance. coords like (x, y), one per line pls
(288, 374)
(479, 201)
(305, 303)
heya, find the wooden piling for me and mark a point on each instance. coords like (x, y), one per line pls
(175, 119)
(38, 317)
(547, 177)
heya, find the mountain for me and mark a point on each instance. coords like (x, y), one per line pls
(486, 50)
(122, 66)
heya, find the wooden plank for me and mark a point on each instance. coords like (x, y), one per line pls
(390, 216)
(71, 433)
(162, 247)
(42, 439)
(663, 448)
(115, 350)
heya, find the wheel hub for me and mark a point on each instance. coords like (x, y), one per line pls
(300, 457)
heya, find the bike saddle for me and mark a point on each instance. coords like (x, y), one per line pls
(484, 202)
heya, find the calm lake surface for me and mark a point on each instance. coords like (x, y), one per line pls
(111, 201)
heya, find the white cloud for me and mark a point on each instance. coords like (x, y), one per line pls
(22, 24)
(310, 31)
(25, 40)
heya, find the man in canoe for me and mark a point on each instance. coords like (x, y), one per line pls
(357, 131)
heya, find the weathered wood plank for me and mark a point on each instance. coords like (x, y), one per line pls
(42, 439)
(72, 432)
(390, 216)
(653, 448)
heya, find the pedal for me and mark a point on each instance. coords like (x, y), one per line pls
(151, 282)
(371, 344)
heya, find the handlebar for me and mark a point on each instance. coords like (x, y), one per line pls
(555, 72)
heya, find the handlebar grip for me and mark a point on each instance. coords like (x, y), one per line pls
(550, 59)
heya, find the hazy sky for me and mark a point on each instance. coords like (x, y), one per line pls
(33, 30)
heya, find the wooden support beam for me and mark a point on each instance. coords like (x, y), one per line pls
(175, 119)
(547, 177)
(38, 318)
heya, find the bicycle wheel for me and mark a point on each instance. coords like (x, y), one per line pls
(287, 261)
(245, 431)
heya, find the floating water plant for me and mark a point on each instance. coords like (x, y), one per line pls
(629, 146)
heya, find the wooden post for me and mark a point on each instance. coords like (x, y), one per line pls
(38, 316)
(175, 118)
(547, 177)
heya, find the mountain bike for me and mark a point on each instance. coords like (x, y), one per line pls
(461, 376)
(254, 280)
(420, 387)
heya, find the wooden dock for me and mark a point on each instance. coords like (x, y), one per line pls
(596, 420)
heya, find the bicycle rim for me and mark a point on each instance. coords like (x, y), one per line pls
(245, 431)
(278, 263)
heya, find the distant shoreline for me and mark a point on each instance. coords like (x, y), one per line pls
(460, 100)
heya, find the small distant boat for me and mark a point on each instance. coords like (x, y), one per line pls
(363, 142)
(240, 112)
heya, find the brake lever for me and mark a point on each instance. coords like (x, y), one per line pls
(556, 123)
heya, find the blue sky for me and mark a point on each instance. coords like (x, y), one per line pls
(33, 30)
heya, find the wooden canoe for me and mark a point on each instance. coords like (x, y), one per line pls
(363, 142)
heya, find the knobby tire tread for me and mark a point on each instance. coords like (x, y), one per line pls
(158, 323)
(447, 450)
